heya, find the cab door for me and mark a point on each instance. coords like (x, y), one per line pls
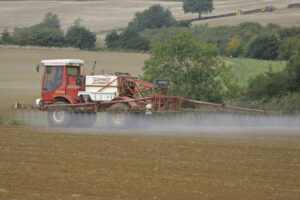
(74, 81)
(52, 82)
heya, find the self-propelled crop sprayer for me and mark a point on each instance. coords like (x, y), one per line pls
(69, 97)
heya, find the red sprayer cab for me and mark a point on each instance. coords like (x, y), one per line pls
(62, 80)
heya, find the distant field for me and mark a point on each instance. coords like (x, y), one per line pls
(283, 17)
(97, 15)
(244, 68)
(106, 15)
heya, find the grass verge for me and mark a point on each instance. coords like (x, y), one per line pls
(244, 69)
(12, 122)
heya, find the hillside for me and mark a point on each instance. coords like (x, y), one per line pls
(102, 16)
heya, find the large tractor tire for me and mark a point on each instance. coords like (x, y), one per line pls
(59, 117)
(118, 116)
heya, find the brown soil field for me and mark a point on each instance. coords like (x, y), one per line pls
(114, 14)
(46, 164)
(20, 82)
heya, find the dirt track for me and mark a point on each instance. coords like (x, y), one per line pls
(48, 165)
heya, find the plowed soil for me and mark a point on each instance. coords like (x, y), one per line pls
(50, 165)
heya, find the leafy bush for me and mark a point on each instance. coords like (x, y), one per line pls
(184, 23)
(289, 104)
(268, 85)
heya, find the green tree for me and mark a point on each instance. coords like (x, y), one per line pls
(198, 6)
(22, 36)
(293, 69)
(112, 40)
(193, 69)
(153, 17)
(288, 48)
(50, 21)
(130, 39)
(6, 37)
(264, 47)
(289, 32)
(234, 47)
(80, 37)
(48, 37)
(46, 33)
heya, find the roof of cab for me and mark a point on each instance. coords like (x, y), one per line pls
(62, 62)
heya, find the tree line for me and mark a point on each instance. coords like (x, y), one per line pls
(248, 39)
(130, 38)
(48, 33)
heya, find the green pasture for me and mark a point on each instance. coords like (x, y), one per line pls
(244, 69)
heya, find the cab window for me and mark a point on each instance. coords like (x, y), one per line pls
(53, 78)
(72, 71)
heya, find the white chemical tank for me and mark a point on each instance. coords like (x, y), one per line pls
(100, 88)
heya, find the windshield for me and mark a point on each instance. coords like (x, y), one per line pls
(53, 78)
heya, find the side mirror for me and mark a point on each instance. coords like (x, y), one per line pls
(37, 68)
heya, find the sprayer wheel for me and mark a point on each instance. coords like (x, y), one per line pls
(118, 116)
(59, 117)
(84, 119)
